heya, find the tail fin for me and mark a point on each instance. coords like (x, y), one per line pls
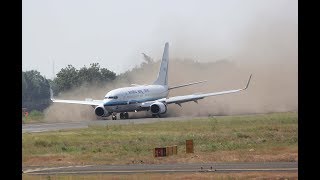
(163, 72)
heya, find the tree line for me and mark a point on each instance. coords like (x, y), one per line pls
(36, 88)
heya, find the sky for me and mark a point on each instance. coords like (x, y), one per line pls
(114, 34)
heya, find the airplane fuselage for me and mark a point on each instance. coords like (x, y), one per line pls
(130, 98)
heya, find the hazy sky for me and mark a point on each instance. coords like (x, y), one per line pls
(115, 33)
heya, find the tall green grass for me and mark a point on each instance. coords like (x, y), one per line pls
(113, 142)
(33, 116)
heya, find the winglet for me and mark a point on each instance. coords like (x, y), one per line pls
(248, 82)
(51, 94)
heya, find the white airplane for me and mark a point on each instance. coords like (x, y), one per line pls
(143, 97)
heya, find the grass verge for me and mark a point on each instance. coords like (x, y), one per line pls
(33, 117)
(268, 137)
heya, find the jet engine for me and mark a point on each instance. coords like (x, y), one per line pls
(158, 108)
(101, 111)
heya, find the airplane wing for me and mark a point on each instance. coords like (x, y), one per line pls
(86, 102)
(194, 97)
(92, 103)
(183, 85)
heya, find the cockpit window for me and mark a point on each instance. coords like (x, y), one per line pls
(111, 97)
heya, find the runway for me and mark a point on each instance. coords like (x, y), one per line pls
(167, 168)
(41, 127)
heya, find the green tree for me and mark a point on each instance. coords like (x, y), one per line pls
(35, 90)
(90, 75)
(107, 75)
(24, 87)
(70, 77)
(66, 79)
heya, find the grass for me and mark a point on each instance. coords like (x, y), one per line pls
(33, 116)
(269, 137)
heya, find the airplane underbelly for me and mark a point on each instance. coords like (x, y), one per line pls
(123, 108)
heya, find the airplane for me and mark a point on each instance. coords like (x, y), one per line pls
(153, 98)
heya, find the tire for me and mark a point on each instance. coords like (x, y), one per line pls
(122, 116)
(126, 115)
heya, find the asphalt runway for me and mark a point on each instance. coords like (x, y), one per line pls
(167, 168)
(41, 127)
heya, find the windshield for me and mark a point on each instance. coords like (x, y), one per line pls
(111, 97)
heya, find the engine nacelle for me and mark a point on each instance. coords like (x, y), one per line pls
(101, 111)
(158, 108)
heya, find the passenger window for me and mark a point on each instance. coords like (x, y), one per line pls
(116, 97)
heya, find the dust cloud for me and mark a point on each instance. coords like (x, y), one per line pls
(272, 89)
(270, 54)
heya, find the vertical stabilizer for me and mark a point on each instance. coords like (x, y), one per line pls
(163, 72)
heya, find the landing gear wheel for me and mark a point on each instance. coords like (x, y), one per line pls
(114, 117)
(126, 115)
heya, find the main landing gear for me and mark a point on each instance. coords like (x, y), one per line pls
(124, 115)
